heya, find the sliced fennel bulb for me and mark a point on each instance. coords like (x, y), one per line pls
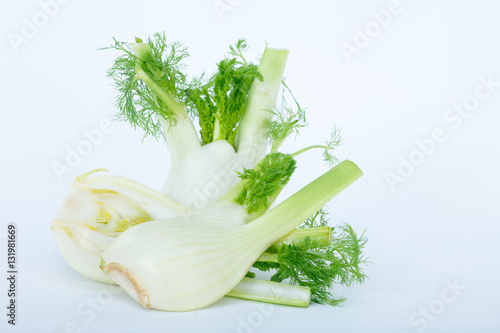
(99, 208)
(189, 262)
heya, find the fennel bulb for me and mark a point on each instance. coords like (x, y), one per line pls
(189, 262)
(220, 186)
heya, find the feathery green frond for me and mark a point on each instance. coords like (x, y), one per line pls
(334, 142)
(319, 219)
(287, 120)
(219, 103)
(159, 64)
(265, 180)
(237, 51)
(319, 268)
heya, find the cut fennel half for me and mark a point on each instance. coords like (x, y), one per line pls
(96, 210)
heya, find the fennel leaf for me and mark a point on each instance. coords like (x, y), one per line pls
(265, 181)
(220, 102)
(161, 62)
(286, 121)
(319, 268)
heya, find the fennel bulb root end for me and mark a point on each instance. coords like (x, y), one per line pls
(128, 281)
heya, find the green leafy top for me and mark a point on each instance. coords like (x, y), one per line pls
(154, 91)
(237, 50)
(328, 147)
(287, 120)
(307, 264)
(319, 219)
(152, 86)
(220, 102)
(263, 183)
(143, 75)
(334, 142)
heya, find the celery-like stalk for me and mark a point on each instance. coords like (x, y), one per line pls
(301, 205)
(271, 292)
(252, 137)
(320, 236)
(179, 131)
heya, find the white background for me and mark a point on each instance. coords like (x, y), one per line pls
(440, 224)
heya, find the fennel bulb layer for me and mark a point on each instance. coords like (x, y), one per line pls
(205, 174)
(96, 210)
